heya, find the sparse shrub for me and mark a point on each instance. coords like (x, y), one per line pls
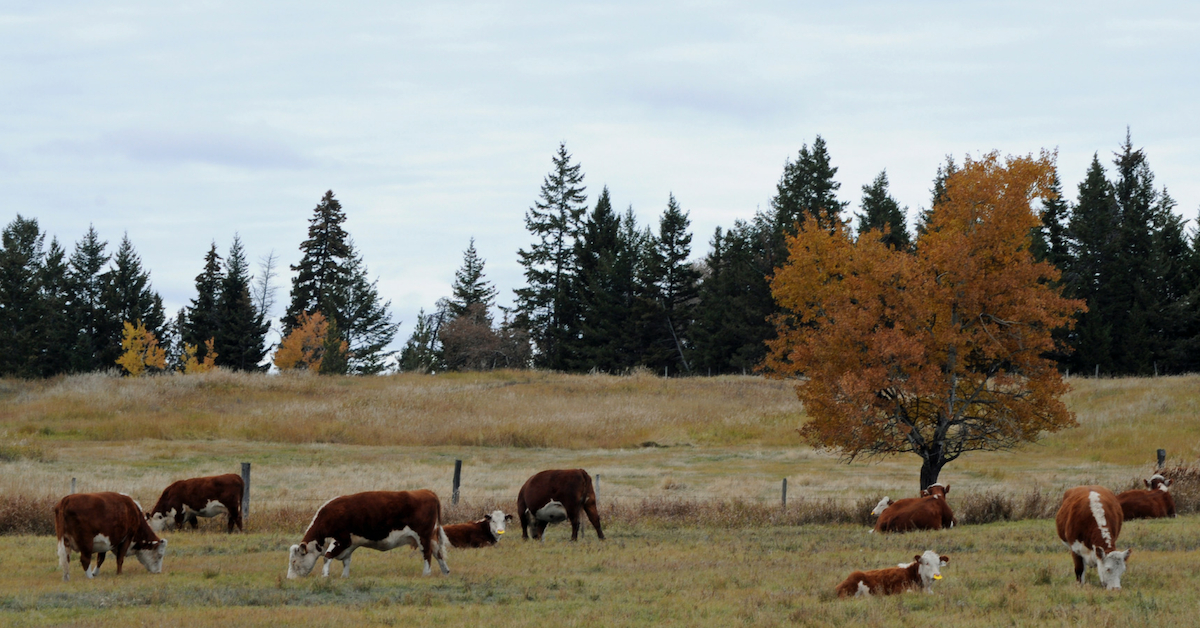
(23, 450)
(988, 507)
(25, 514)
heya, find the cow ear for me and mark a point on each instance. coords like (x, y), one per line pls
(924, 492)
(945, 560)
(1147, 483)
(508, 517)
(947, 489)
(1168, 482)
(303, 550)
(917, 558)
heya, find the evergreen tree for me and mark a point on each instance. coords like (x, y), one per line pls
(366, 325)
(1092, 232)
(21, 307)
(545, 304)
(881, 212)
(240, 335)
(202, 320)
(128, 298)
(605, 289)
(56, 305)
(672, 290)
(470, 289)
(87, 312)
(422, 353)
(322, 282)
(332, 278)
(1050, 242)
(937, 195)
(807, 189)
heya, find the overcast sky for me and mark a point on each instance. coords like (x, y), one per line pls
(436, 122)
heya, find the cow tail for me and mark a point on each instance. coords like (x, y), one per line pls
(442, 541)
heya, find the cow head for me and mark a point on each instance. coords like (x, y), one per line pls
(150, 554)
(936, 489)
(160, 521)
(1110, 567)
(881, 506)
(302, 558)
(929, 567)
(496, 522)
(1158, 482)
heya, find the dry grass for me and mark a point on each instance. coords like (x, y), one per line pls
(494, 409)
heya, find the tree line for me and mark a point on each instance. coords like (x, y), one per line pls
(602, 292)
(94, 310)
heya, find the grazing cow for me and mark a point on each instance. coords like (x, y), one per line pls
(97, 523)
(930, 512)
(920, 573)
(1153, 503)
(1089, 522)
(380, 520)
(486, 531)
(556, 495)
(185, 500)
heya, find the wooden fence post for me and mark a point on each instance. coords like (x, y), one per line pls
(785, 493)
(457, 480)
(245, 490)
(72, 486)
(1162, 458)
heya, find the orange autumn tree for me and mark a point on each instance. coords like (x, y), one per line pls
(937, 351)
(313, 343)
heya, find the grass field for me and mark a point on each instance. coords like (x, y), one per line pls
(690, 473)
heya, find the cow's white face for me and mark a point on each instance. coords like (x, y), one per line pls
(1110, 567)
(881, 506)
(151, 556)
(929, 568)
(497, 521)
(302, 558)
(160, 521)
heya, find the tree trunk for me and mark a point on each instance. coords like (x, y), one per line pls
(930, 468)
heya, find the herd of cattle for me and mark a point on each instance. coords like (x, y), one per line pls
(1088, 522)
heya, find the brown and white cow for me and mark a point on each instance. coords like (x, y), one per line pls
(919, 574)
(97, 523)
(930, 512)
(555, 495)
(1089, 522)
(486, 531)
(1154, 503)
(185, 500)
(380, 520)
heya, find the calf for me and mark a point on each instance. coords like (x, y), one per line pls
(486, 531)
(920, 573)
(1153, 503)
(1089, 522)
(380, 520)
(916, 513)
(97, 523)
(556, 495)
(185, 500)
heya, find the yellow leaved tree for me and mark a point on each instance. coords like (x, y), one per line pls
(140, 350)
(310, 343)
(192, 365)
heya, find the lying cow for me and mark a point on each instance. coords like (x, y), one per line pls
(930, 512)
(380, 520)
(919, 574)
(185, 500)
(1089, 522)
(486, 531)
(97, 523)
(1154, 503)
(556, 495)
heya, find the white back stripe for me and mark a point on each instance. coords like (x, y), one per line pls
(1098, 513)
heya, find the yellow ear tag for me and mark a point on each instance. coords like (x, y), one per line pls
(937, 576)
(500, 531)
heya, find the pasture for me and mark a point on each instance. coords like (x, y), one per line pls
(689, 490)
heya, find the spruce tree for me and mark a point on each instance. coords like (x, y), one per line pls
(241, 331)
(21, 307)
(937, 194)
(87, 311)
(545, 305)
(806, 190)
(470, 291)
(1050, 241)
(422, 353)
(201, 319)
(128, 298)
(56, 305)
(322, 282)
(366, 325)
(1095, 256)
(606, 290)
(677, 290)
(883, 213)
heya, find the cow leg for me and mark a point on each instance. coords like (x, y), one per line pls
(100, 561)
(521, 512)
(346, 566)
(194, 520)
(85, 559)
(120, 551)
(235, 518)
(593, 516)
(64, 560)
(539, 529)
(1079, 567)
(574, 517)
